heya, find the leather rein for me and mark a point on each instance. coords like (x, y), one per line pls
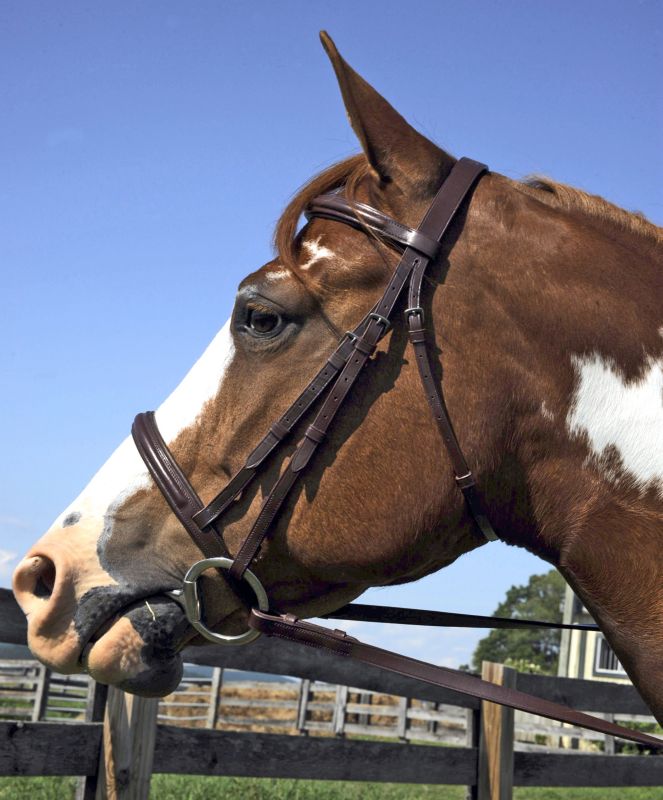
(331, 386)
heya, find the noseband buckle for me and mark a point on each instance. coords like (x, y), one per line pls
(189, 598)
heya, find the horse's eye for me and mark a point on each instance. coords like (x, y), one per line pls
(262, 322)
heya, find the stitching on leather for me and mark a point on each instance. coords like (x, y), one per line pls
(284, 633)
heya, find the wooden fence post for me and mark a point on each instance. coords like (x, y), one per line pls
(404, 704)
(495, 778)
(432, 726)
(302, 704)
(130, 725)
(365, 698)
(95, 708)
(214, 697)
(472, 732)
(609, 746)
(338, 717)
(41, 694)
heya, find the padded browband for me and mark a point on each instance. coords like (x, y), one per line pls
(360, 216)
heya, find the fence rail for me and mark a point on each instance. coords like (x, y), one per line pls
(29, 692)
(31, 748)
(116, 756)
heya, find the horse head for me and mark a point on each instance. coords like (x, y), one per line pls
(509, 325)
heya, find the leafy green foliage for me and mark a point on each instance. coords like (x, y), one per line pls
(527, 650)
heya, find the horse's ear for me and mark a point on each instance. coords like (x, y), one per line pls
(396, 152)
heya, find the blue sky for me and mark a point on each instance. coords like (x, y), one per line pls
(147, 149)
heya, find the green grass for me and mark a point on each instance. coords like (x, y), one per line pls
(182, 787)
(630, 793)
(37, 788)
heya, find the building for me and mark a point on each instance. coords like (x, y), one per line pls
(586, 654)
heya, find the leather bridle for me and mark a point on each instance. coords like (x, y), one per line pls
(331, 386)
(333, 383)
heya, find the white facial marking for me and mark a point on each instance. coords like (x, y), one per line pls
(201, 383)
(546, 413)
(316, 252)
(277, 275)
(124, 473)
(627, 416)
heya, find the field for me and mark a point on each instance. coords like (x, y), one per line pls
(181, 787)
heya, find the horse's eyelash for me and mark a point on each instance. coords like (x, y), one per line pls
(253, 306)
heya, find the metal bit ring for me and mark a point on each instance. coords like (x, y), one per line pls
(189, 598)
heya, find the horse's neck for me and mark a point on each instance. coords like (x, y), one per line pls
(571, 314)
(615, 565)
(588, 429)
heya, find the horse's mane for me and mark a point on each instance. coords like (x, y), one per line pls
(350, 172)
(590, 205)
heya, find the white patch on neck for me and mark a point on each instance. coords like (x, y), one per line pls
(627, 416)
(316, 252)
(124, 473)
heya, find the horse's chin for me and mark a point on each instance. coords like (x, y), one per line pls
(140, 651)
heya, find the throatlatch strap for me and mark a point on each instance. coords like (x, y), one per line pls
(436, 222)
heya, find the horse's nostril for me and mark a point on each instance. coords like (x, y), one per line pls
(34, 578)
(45, 579)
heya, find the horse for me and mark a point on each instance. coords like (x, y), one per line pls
(544, 318)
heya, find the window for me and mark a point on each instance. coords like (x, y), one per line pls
(606, 660)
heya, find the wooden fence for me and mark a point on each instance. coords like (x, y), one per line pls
(122, 742)
(30, 692)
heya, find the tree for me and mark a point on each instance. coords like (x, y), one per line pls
(530, 649)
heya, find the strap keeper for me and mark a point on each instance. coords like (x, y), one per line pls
(417, 335)
(336, 360)
(279, 430)
(314, 434)
(465, 481)
(364, 347)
